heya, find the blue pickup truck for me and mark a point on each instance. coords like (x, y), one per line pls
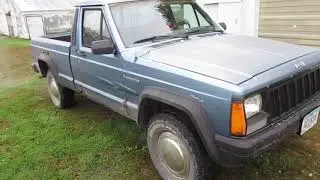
(201, 94)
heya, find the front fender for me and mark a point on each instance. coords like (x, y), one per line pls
(189, 105)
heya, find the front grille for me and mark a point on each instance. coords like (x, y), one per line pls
(283, 98)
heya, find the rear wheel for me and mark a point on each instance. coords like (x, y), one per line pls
(60, 96)
(174, 149)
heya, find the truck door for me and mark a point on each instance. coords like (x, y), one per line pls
(97, 76)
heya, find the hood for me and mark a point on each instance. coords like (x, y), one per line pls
(230, 58)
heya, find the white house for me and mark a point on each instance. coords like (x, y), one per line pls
(285, 20)
(28, 18)
(291, 21)
(241, 16)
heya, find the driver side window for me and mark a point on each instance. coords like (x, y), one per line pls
(94, 27)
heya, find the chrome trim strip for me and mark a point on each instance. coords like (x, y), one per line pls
(132, 105)
(65, 77)
(41, 47)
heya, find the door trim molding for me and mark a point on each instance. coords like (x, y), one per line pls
(110, 96)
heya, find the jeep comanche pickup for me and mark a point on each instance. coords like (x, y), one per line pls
(199, 91)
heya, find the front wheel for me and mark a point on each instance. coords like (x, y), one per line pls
(61, 97)
(174, 149)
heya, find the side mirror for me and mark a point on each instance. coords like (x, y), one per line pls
(103, 47)
(223, 25)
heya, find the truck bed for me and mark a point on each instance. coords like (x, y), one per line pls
(55, 51)
(66, 37)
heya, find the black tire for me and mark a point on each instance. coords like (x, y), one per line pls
(64, 97)
(199, 162)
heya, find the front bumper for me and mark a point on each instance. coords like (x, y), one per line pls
(235, 151)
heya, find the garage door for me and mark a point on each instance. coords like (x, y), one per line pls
(35, 26)
(293, 21)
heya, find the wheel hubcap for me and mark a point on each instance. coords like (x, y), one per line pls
(54, 91)
(174, 155)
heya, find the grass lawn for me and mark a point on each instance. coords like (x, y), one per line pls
(89, 141)
(13, 42)
(38, 141)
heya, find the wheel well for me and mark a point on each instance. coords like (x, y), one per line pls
(43, 67)
(150, 107)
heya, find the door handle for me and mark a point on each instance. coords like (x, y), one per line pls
(81, 53)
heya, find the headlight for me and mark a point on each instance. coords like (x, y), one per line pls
(252, 105)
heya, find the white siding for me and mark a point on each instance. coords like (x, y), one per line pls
(241, 16)
(230, 13)
(45, 5)
(18, 22)
(250, 12)
(3, 21)
(3, 24)
(57, 15)
(213, 10)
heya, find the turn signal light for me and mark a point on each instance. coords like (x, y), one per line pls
(238, 120)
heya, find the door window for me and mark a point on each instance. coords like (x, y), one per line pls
(94, 27)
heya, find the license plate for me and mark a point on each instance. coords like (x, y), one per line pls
(309, 121)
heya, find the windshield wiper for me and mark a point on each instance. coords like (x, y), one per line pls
(157, 38)
(188, 33)
(218, 30)
(184, 35)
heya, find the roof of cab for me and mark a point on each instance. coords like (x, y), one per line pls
(100, 2)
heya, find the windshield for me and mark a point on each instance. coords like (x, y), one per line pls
(138, 20)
